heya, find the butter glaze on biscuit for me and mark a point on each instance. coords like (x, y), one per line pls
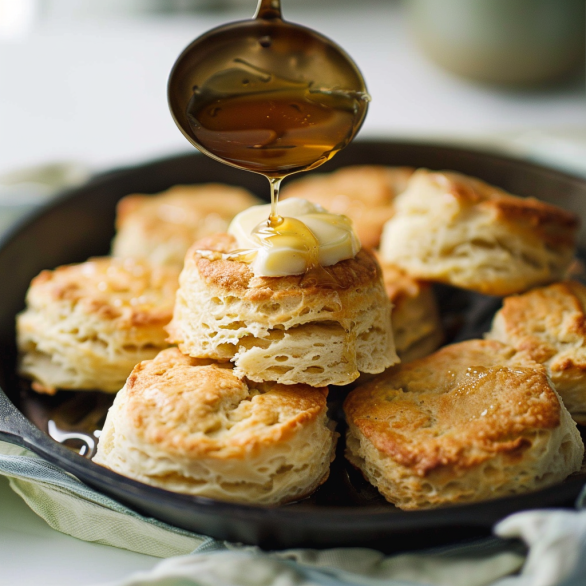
(87, 325)
(282, 328)
(549, 325)
(459, 230)
(192, 426)
(473, 421)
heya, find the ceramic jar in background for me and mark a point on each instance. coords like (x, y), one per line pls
(515, 42)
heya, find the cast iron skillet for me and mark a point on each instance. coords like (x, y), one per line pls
(346, 511)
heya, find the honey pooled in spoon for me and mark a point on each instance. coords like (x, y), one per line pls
(257, 121)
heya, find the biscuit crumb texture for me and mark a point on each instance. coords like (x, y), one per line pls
(549, 325)
(276, 329)
(87, 325)
(471, 422)
(192, 426)
(459, 230)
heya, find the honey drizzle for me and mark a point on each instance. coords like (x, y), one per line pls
(245, 115)
(287, 233)
(275, 183)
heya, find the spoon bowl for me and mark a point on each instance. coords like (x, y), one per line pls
(266, 95)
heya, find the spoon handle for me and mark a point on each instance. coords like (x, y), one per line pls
(268, 10)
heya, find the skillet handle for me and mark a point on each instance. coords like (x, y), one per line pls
(15, 428)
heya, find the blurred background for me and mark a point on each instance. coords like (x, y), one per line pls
(84, 81)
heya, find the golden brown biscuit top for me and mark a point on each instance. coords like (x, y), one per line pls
(554, 225)
(185, 210)
(547, 321)
(238, 277)
(457, 407)
(192, 408)
(131, 291)
(364, 193)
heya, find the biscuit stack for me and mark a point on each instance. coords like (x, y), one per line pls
(238, 410)
(283, 329)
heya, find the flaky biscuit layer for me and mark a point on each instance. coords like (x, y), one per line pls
(473, 421)
(417, 328)
(87, 325)
(163, 226)
(285, 329)
(549, 325)
(192, 426)
(459, 230)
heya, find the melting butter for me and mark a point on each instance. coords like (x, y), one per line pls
(303, 237)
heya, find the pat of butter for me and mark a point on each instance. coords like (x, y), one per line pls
(309, 234)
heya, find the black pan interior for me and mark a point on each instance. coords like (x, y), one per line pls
(346, 511)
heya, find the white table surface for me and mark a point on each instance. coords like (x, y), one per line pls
(94, 91)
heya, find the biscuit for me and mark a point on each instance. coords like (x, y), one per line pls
(417, 328)
(87, 325)
(290, 329)
(191, 426)
(549, 325)
(461, 231)
(472, 421)
(363, 193)
(162, 227)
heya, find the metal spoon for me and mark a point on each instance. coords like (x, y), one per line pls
(268, 57)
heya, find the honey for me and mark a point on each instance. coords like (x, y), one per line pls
(262, 123)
